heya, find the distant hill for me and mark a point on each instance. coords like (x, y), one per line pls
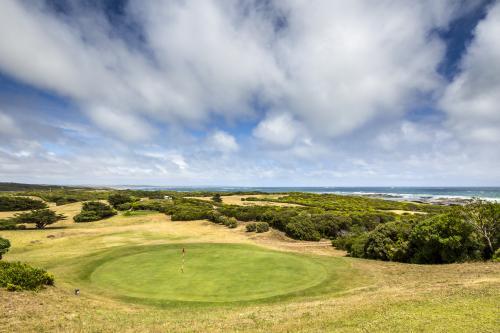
(4, 187)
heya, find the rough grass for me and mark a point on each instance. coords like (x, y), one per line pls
(377, 296)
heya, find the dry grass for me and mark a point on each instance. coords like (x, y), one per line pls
(237, 200)
(390, 297)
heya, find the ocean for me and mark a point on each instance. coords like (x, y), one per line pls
(395, 193)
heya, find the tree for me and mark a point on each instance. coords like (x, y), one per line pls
(217, 198)
(40, 217)
(4, 246)
(484, 217)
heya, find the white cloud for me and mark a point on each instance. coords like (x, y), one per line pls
(323, 77)
(125, 126)
(278, 129)
(223, 142)
(334, 66)
(7, 126)
(472, 100)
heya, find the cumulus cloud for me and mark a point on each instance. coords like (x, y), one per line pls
(278, 129)
(223, 142)
(472, 100)
(333, 66)
(316, 80)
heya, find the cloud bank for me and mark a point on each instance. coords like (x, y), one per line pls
(288, 92)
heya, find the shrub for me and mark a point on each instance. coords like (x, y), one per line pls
(93, 211)
(20, 203)
(10, 224)
(302, 228)
(231, 222)
(87, 216)
(161, 206)
(40, 217)
(217, 198)
(214, 216)
(444, 239)
(124, 206)
(251, 227)
(262, 227)
(388, 242)
(330, 225)
(4, 246)
(496, 256)
(117, 199)
(18, 276)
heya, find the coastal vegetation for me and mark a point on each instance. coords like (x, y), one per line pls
(12, 203)
(241, 262)
(94, 211)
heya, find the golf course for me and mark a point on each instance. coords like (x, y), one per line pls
(142, 271)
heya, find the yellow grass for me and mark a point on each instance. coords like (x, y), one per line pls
(237, 200)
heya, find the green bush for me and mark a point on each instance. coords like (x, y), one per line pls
(40, 217)
(124, 206)
(388, 242)
(231, 222)
(496, 256)
(444, 238)
(94, 211)
(4, 246)
(10, 224)
(117, 199)
(19, 276)
(251, 227)
(217, 198)
(301, 227)
(261, 227)
(8, 204)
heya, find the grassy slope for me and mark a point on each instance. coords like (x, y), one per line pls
(386, 297)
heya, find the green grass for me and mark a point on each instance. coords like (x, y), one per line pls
(212, 273)
(138, 213)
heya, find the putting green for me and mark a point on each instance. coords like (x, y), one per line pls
(212, 273)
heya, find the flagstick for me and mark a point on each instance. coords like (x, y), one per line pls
(183, 253)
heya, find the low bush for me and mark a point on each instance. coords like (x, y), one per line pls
(217, 198)
(10, 224)
(301, 227)
(444, 239)
(251, 227)
(124, 206)
(388, 242)
(8, 204)
(16, 276)
(496, 255)
(118, 199)
(231, 222)
(94, 211)
(261, 227)
(4, 246)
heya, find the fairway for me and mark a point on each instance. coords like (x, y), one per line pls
(211, 273)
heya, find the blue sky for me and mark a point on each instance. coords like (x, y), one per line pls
(250, 93)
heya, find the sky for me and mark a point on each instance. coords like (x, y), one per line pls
(250, 92)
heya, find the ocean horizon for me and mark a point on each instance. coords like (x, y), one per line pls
(390, 192)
